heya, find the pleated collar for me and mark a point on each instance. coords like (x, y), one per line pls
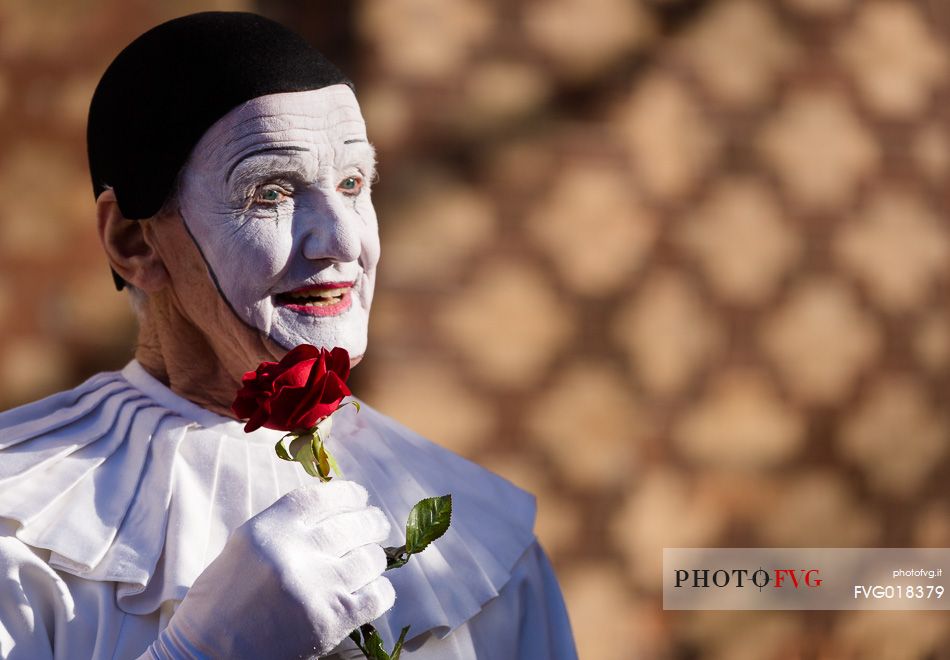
(122, 480)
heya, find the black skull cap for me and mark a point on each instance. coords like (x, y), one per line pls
(166, 88)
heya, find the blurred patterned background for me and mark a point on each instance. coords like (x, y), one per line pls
(678, 267)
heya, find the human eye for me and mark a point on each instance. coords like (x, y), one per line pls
(351, 185)
(270, 194)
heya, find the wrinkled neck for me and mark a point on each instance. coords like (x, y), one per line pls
(202, 367)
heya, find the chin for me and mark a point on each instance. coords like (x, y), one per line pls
(349, 332)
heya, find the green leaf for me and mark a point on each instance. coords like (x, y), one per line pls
(297, 442)
(308, 449)
(355, 404)
(323, 461)
(397, 649)
(306, 458)
(319, 456)
(358, 640)
(323, 427)
(428, 520)
(281, 450)
(333, 465)
(368, 641)
(373, 643)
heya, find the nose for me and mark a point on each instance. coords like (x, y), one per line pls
(330, 232)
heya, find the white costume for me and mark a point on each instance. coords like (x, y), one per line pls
(115, 496)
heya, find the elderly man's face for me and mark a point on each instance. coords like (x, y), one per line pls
(276, 197)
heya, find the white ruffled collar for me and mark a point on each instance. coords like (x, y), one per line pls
(122, 480)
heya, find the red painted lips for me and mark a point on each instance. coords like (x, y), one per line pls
(325, 299)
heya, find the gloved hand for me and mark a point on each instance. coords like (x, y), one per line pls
(291, 582)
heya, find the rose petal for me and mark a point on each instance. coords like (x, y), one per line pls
(338, 362)
(309, 395)
(296, 375)
(259, 418)
(299, 354)
(294, 394)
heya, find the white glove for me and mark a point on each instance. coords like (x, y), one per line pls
(291, 582)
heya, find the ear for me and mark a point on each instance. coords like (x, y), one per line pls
(129, 251)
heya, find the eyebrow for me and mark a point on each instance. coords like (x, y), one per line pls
(263, 150)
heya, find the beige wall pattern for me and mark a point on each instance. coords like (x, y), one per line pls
(60, 318)
(678, 267)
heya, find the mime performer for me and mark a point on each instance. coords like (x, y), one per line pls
(232, 175)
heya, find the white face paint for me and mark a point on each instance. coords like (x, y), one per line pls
(276, 195)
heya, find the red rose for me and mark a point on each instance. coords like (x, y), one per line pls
(294, 394)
